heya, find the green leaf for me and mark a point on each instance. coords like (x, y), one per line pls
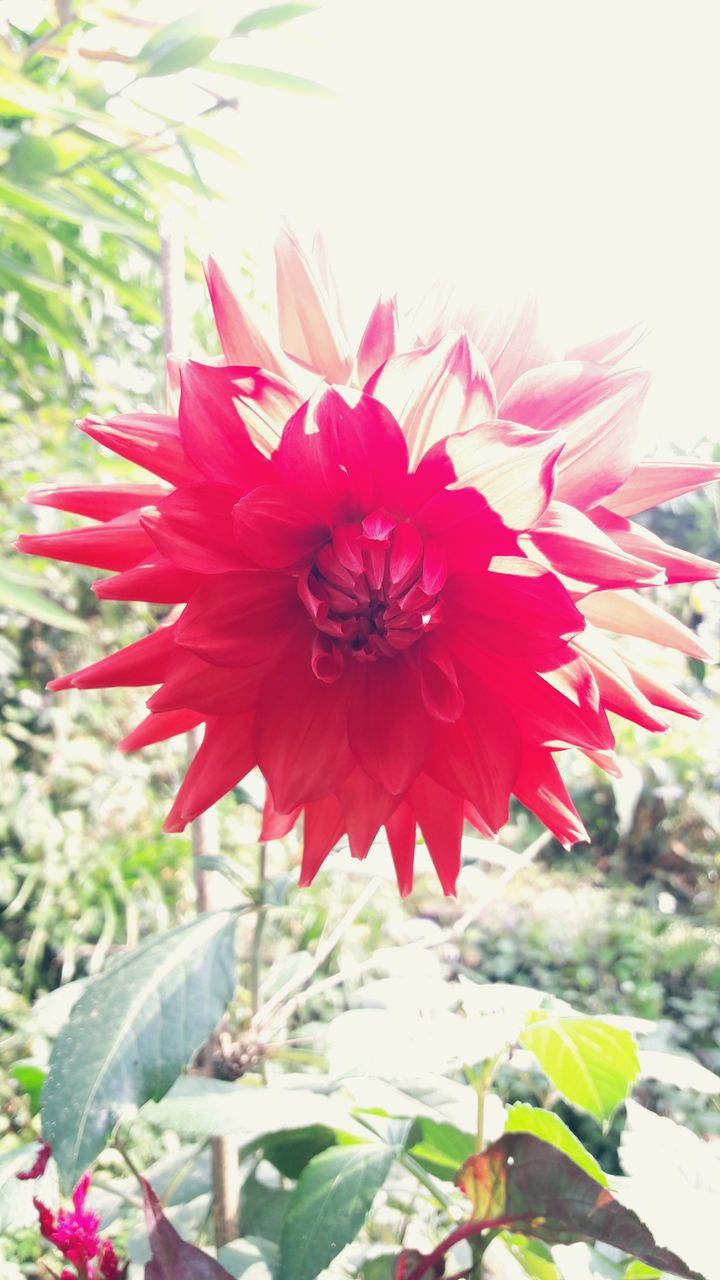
(266, 77)
(273, 16)
(186, 41)
(16, 1198)
(592, 1063)
(329, 1206)
(441, 1148)
(32, 159)
(262, 1209)
(250, 1259)
(30, 1078)
(522, 1118)
(132, 1031)
(537, 1190)
(291, 1152)
(16, 595)
(204, 1108)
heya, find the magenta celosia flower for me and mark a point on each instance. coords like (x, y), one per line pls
(74, 1232)
(394, 572)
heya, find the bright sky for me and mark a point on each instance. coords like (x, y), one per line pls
(514, 145)
(549, 144)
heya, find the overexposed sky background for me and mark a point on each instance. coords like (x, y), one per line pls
(571, 148)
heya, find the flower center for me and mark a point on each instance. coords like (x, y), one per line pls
(372, 592)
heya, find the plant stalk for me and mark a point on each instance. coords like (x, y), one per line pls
(204, 830)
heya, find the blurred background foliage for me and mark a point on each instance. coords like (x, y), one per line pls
(629, 924)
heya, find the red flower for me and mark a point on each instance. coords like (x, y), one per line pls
(39, 1165)
(75, 1235)
(391, 600)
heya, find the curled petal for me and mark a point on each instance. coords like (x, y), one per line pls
(440, 816)
(631, 615)
(157, 581)
(322, 828)
(541, 789)
(379, 339)
(438, 681)
(400, 830)
(275, 825)
(661, 694)
(118, 544)
(152, 440)
(144, 662)
(217, 404)
(611, 348)
(98, 502)
(653, 482)
(615, 683)
(523, 610)
(436, 391)
(634, 540)
(193, 528)
(477, 757)
(241, 339)
(366, 807)
(224, 758)
(310, 328)
(574, 545)
(274, 529)
(241, 619)
(388, 725)
(158, 727)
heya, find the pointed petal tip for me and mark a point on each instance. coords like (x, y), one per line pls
(59, 684)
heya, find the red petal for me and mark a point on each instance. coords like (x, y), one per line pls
(310, 328)
(193, 528)
(301, 732)
(438, 681)
(379, 339)
(523, 611)
(275, 826)
(274, 529)
(144, 662)
(242, 341)
(617, 690)
(400, 829)
(223, 759)
(574, 545)
(366, 807)
(388, 725)
(216, 404)
(344, 452)
(156, 581)
(541, 789)
(440, 817)
(119, 544)
(152, 440)
(98, 502)
(631, 615)
(661, 694)
(208, 689)
(677, 566)
(477, 758)
(654, 482)
(436, 391)
(158, 727)
(241, 619)
(512, 467)
(322, 828)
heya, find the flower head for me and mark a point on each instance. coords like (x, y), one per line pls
(74, 1232)
(393, 570)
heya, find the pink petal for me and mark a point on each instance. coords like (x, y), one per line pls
(400, 830)
(512, 467)
(634, 539)
(158, 727)
(274, 529)
(631, 615)
(344, 452)
(157, 581)
(193, 528)
(435, 392)
(617, 690)
(654, 482)
(438, 681)
(152, 440)
(144, 662)
(440, 816)
(98, 502)
(605, 760)
(322, 828)
(214, 405)
(301, 733)
(379, 340)
(241, 619)
(366, 807)
(388, 725)
(241, 339)
(310, 329)
(525, 610)
(275, 825)
(611, 348)
(662, 694)
(119, 544)
(574, 545)
(541, 789)
(208, 689)
(221, 762)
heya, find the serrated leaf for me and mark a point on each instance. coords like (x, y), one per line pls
(16, 595)
(522, 1118)
(591, 1063)
(532, 1187)
(132, 1031)
(173, 1258)
(329, 1206)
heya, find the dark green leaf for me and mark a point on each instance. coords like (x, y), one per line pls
(262, 1209)
(290, 1152)
(329, 1206)
(131, 1033)
(441, 1148)
(536, 1189)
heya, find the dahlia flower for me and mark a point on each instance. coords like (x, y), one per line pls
(397, 572)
